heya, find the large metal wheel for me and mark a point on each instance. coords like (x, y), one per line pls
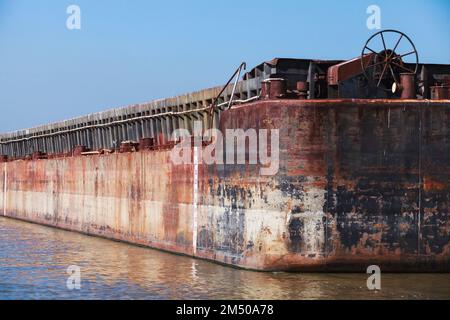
(382, 69)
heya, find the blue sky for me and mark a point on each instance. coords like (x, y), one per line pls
(135, 51)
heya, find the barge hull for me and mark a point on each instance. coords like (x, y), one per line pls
(360, 182)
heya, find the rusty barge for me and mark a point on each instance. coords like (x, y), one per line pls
(363, 175)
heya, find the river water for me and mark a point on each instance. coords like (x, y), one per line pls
(34, 260)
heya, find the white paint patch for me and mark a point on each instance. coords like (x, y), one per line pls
(265, 228)
(195, 202)
(314, 200)
(313, 232)
(313, 229)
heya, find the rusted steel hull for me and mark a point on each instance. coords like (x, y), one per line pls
(361, 182)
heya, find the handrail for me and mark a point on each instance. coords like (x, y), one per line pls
(165, 114)
(237, 74)
(117, 122)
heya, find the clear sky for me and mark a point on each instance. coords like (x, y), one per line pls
(135, 51)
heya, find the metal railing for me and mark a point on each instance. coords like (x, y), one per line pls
(108, 128)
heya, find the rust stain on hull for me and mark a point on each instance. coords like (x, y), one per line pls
(361, 182)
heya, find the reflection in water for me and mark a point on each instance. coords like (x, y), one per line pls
(34, 260)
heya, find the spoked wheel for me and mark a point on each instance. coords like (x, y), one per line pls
(382, 69)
